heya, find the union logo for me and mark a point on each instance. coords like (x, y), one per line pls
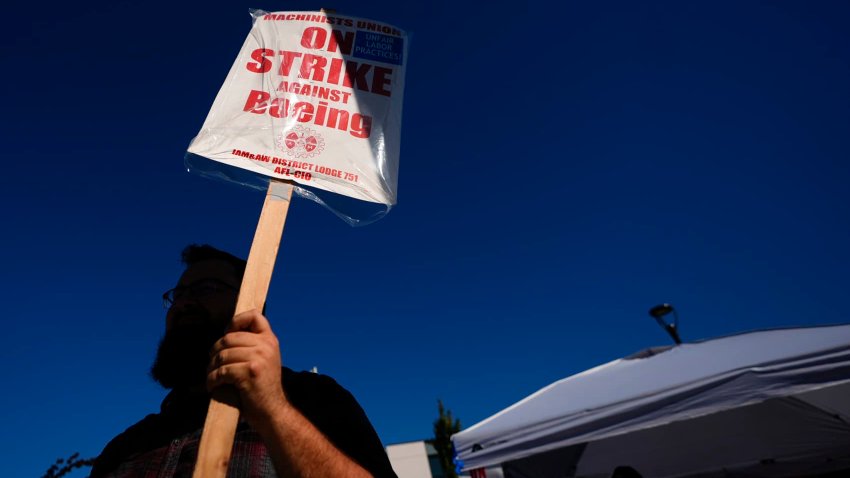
(301, 142)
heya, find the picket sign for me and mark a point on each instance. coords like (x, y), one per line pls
(314, 99)
(315, 103)
(223, 414)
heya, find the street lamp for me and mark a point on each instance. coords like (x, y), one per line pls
(658, 312)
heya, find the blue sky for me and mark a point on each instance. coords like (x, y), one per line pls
(564, 167)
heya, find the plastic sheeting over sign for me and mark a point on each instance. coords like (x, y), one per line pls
(314, 98)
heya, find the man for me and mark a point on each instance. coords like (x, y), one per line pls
(309, 426)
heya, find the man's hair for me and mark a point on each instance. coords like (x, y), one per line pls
(194, 253)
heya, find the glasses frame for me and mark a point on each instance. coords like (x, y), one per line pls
(191, 291)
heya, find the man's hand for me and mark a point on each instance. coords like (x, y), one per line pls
(248, 358)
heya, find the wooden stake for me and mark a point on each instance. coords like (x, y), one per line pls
(223, 414)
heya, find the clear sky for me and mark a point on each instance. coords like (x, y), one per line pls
(564, 167)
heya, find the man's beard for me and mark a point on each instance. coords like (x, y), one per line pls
(183, 355)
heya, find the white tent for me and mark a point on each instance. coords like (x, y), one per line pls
(767, 403)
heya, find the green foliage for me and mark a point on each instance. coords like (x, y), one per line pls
(444, 427)
(64, 466)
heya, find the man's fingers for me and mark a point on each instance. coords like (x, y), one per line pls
(240, 373)
(232, 374)
(252, 321)
(248, 358)
(231, 356)
(234, 339)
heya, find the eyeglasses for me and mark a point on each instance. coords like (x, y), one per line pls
(201, 289)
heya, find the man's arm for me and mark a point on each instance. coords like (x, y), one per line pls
(248, 358)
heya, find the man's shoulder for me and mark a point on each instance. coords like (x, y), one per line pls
(142, 435)
(304, 378)
(336, 413)
(307, 389)
(330, 407)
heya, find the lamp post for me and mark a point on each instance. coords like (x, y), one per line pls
(658, 312)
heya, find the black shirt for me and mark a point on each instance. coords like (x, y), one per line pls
(168, 440)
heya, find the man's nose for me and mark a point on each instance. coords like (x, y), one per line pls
(181, 306)
(182, 303)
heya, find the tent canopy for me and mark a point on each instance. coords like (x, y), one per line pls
(666, 388)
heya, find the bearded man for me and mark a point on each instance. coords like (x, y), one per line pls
(294, 424)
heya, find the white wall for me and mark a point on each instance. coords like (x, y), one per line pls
(409, 460)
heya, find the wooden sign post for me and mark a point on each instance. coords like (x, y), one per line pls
(223, 414)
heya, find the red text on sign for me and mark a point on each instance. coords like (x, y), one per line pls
(362, 76)
(259, 102)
